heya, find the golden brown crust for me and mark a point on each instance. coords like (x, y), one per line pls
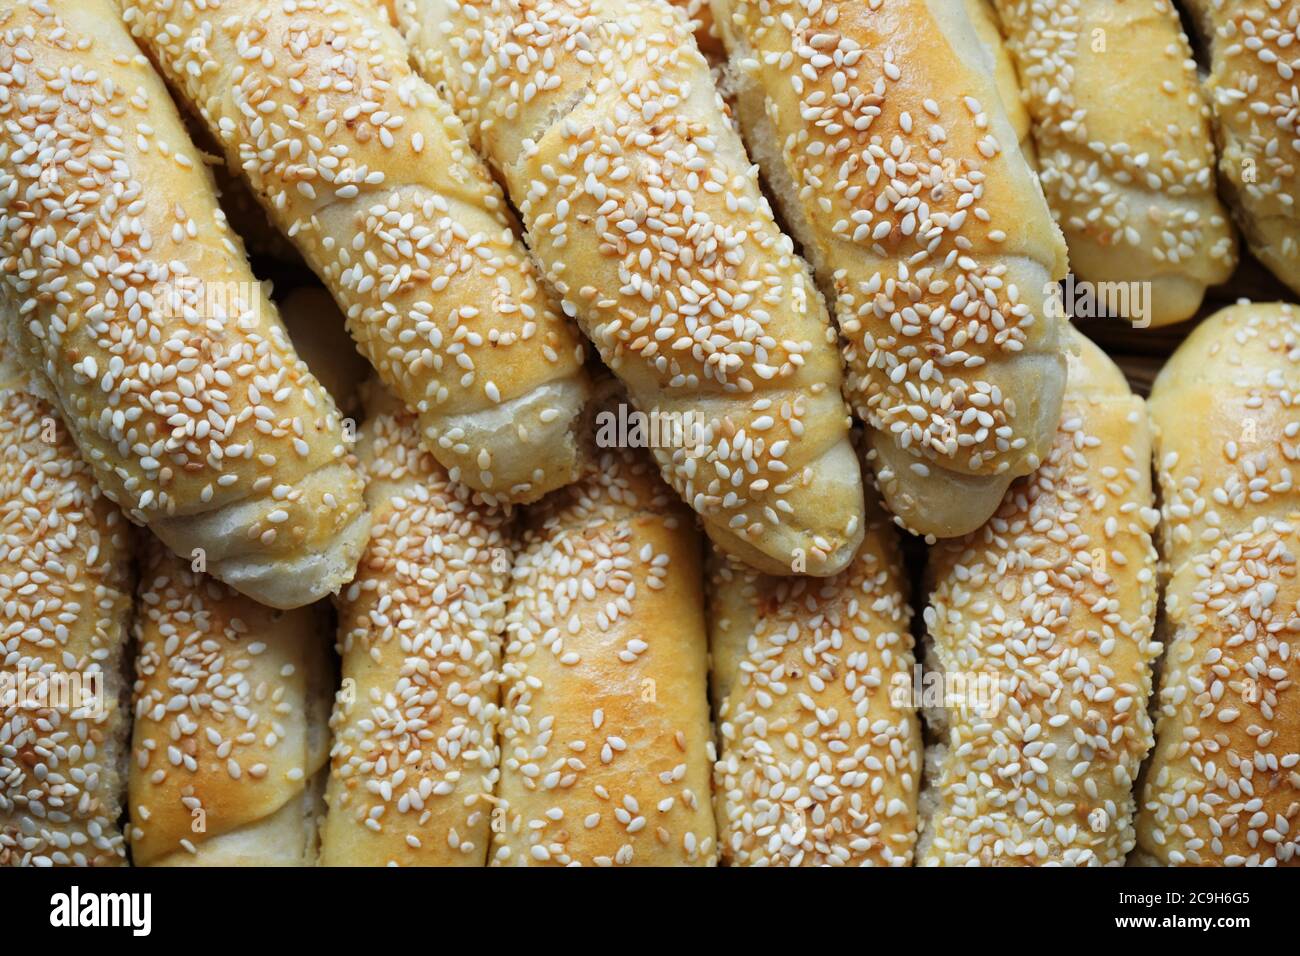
(643, 208)
(605, 748)
(230, 704)
(414, 759)
(168, 361)
(366, 169)
(1223, 788)
(1054, 602)
(65, 590)
(882, 133)
(1126, 156)
(1254, 60)
(820, 744)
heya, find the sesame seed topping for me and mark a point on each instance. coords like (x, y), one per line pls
(818, 765)
(1131, 184)
(895, 198)
(1254, 64)
(65, 594)
(366, 169)
(136, 300)
(605, 757)
(1223, 787)
(414, 758)
(648, 220)
(229, 704)
(1039, 769)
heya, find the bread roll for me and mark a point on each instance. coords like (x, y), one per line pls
(820, 759)
(985, 21)
(414, 758)
(605, 747)
(65, 591)
(231, 711)
(1254, 60)
(317, 330)
(881, 131)
(1125, 151)
(1040, 629)
(1223, 787)
(168, 361)
(362, 165)
(641, 205)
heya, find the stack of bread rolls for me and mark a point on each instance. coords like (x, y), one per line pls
(132, 299)
(377, 563)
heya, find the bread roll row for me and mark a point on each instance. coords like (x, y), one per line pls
(640, 204)
(511, 693)
(364, 168)
(470, 634)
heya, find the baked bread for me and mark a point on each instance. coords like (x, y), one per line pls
(364, 167)
(1040, 627)
(880, 130)
(1223, 787)
(987, 28)
(65, 590)
(643, 209)
(230, 740)
(167, 360)
(819, 759)
(1254, 60)
(414, 759)
(1126, 155)
(604, 729)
